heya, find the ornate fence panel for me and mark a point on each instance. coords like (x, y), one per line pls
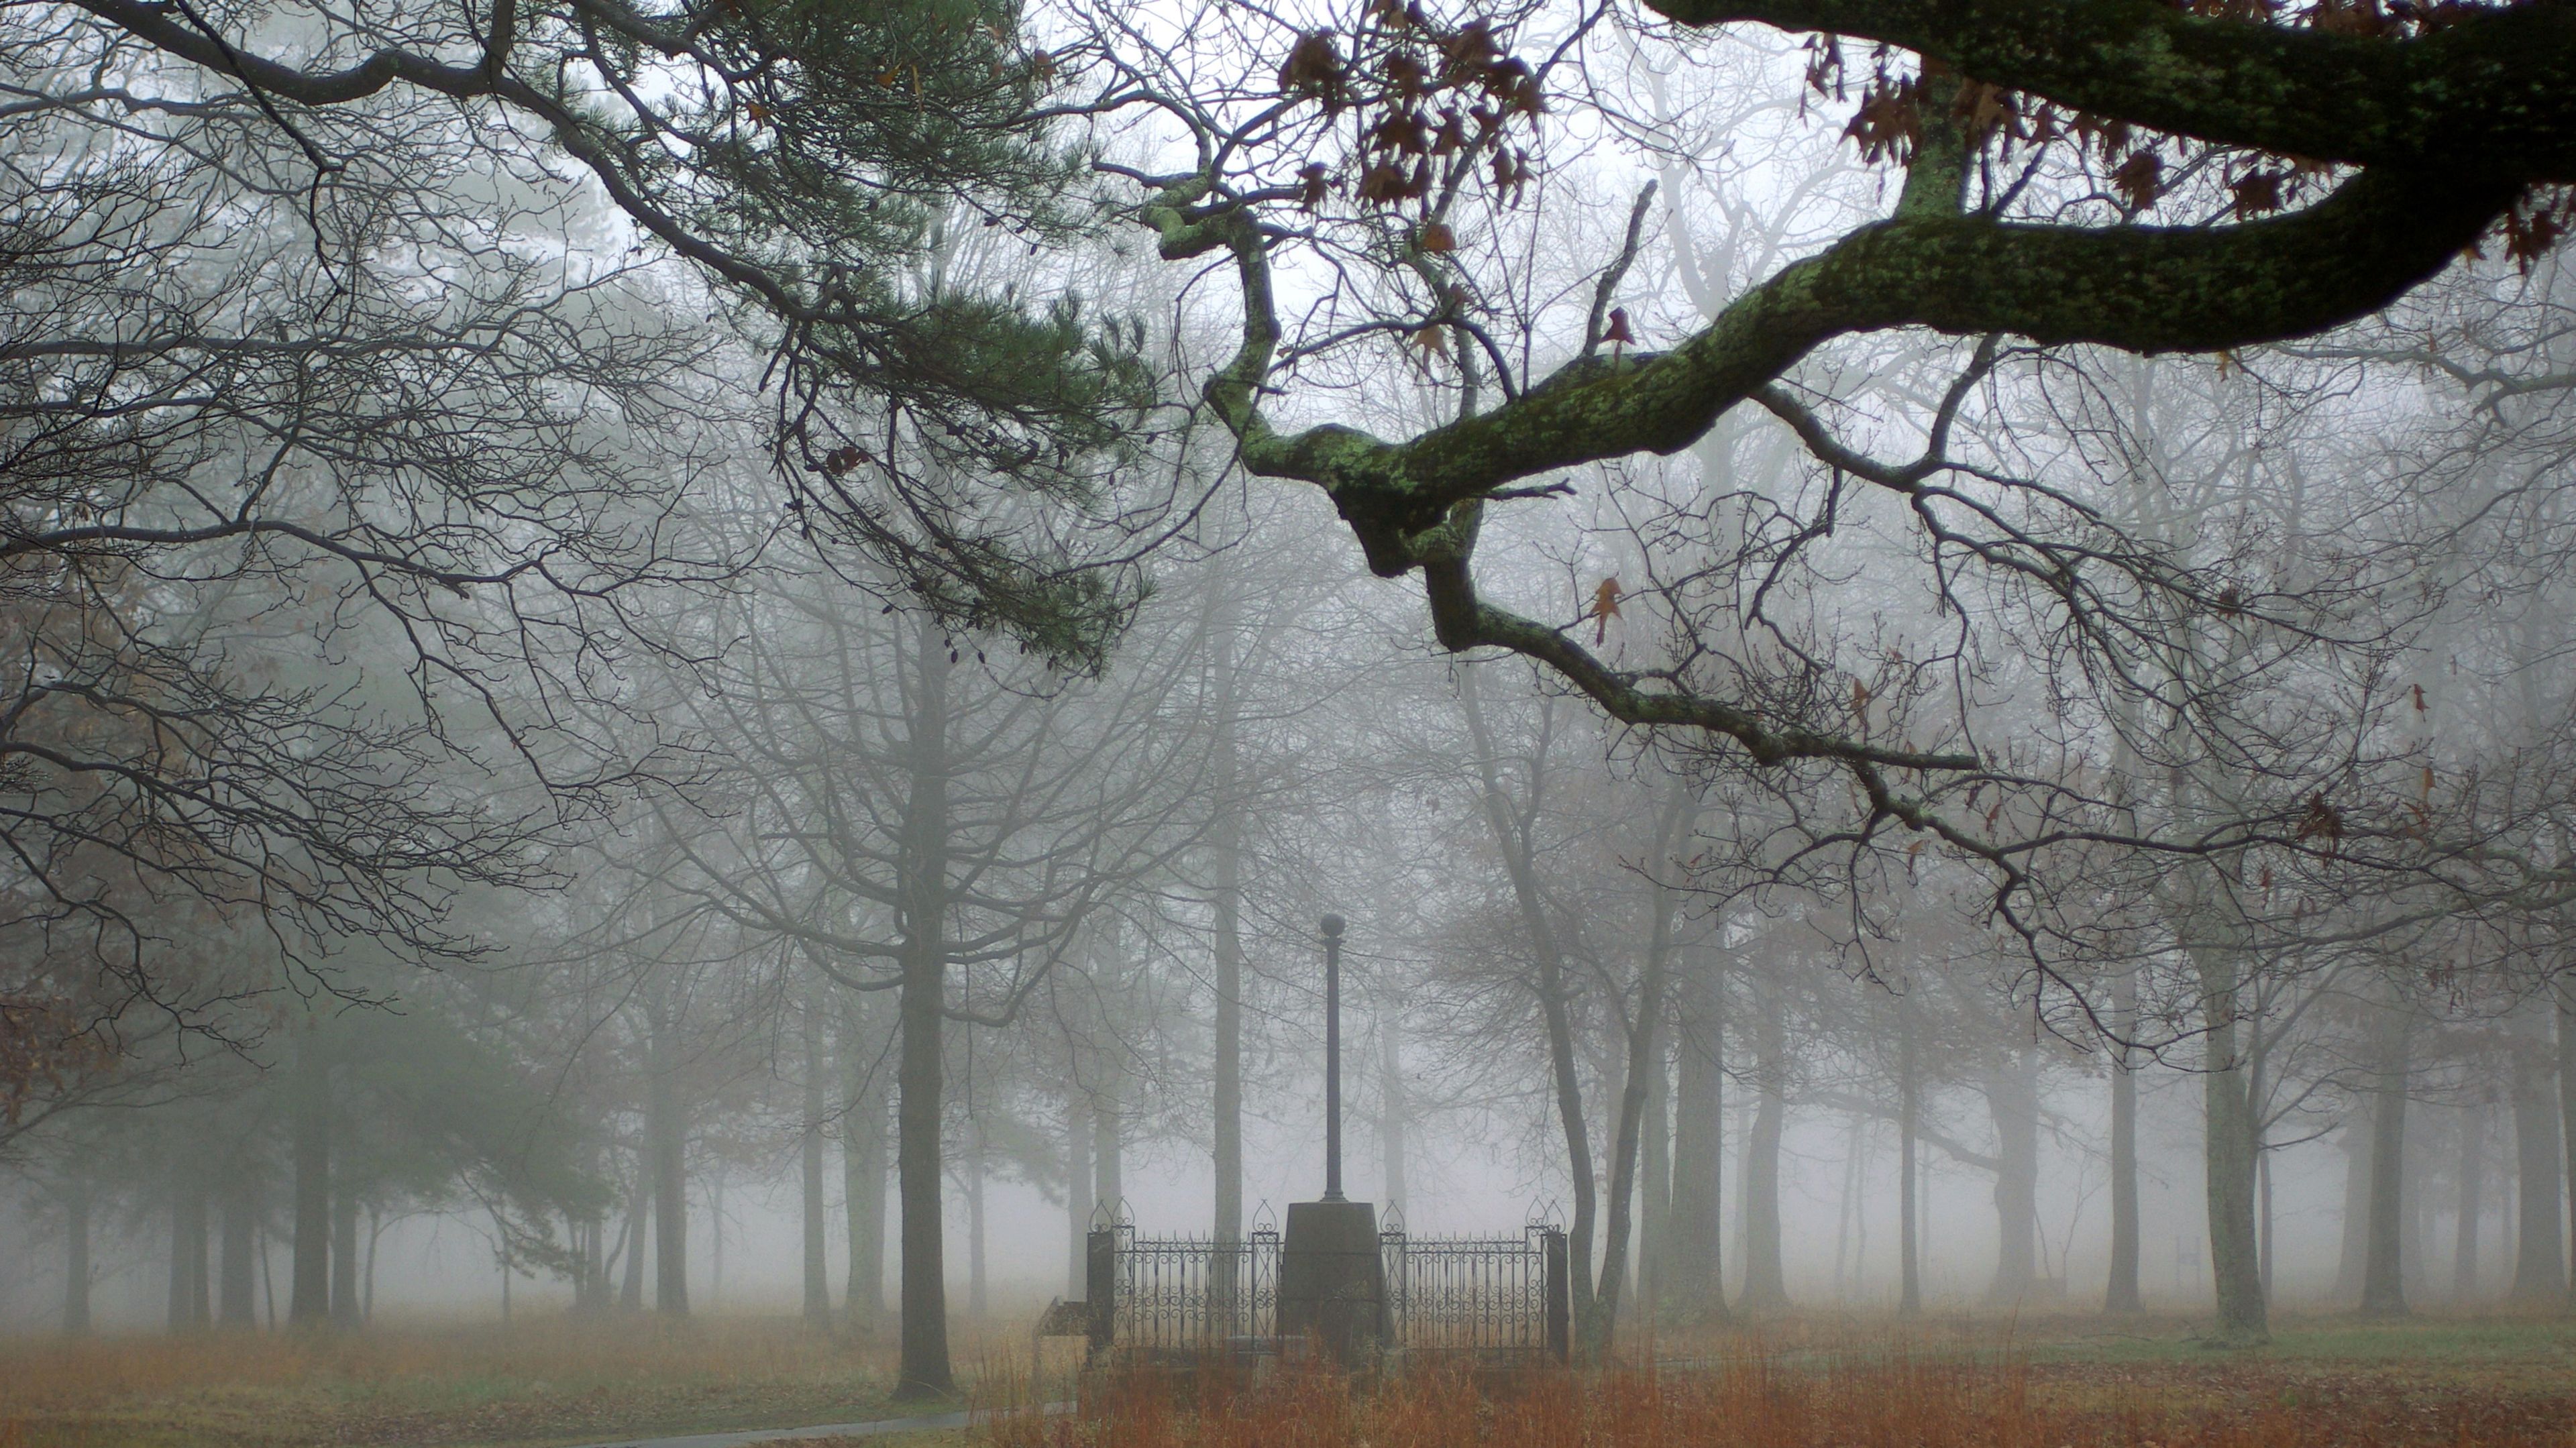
(1486, 1296)
(1191, 1297)
(1183, 1295)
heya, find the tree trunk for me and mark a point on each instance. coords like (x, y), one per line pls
(2122, 1294)
(1078, 1185)
(2567, 1110)
(201, 1243)
(2012, 1099)
(2259, 1045)
(924, 1290)
(818, 1281)
(863, 1167)
(1225, 841)
(2263, 1209)
(344, 1241)
(1627, 1135)
(921, 1082)
(1655, 1214)
(2473, 1205)
(188, 1301)
(1909, 1127)
(2539, 1260)
(1391, 1122)
(2383, 1285)
(1108, 1160)
(2354, 1245)
(639, 1214)
(591, 1266)
(2416, 1220)
(235, 1303)
(77, 1271)
(177, 1316)
(978, 1297)
(309, 1295)
(1693, 1262)
(1512, 839)
(1765, 1287)
(1643, 1073)
(668, 1139)
(2227, 1149)
(1847, 1210)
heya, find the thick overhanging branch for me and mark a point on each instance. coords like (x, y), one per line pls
(1416, 504)
(161, 26)
(2139, 288)
(2491, 92)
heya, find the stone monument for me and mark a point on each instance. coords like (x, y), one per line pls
(1332, 1282)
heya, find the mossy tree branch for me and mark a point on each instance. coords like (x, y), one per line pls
(2140, 288)
(2492, 91)
(1414, 504)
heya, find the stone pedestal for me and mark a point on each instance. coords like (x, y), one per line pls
(1332, 1283)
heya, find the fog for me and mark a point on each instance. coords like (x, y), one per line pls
(1466, 1169)
(661, 696)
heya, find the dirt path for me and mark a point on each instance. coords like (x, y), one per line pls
(746, 1437)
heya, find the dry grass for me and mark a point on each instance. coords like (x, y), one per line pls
(2518, 1390)
(542, 1380)
(1813, 1382)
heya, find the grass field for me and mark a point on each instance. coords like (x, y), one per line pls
(1814, 1382)
(1835, 1383)
(544, 1381)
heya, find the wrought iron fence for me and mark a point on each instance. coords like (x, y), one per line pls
(1480, 1295)
(1182, 1294)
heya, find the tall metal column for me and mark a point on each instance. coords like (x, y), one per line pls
(1332, 1058)
(1332, 1275)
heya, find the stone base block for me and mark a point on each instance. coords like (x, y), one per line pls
(1332, 1282)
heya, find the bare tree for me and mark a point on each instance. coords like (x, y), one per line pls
(906, 819)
